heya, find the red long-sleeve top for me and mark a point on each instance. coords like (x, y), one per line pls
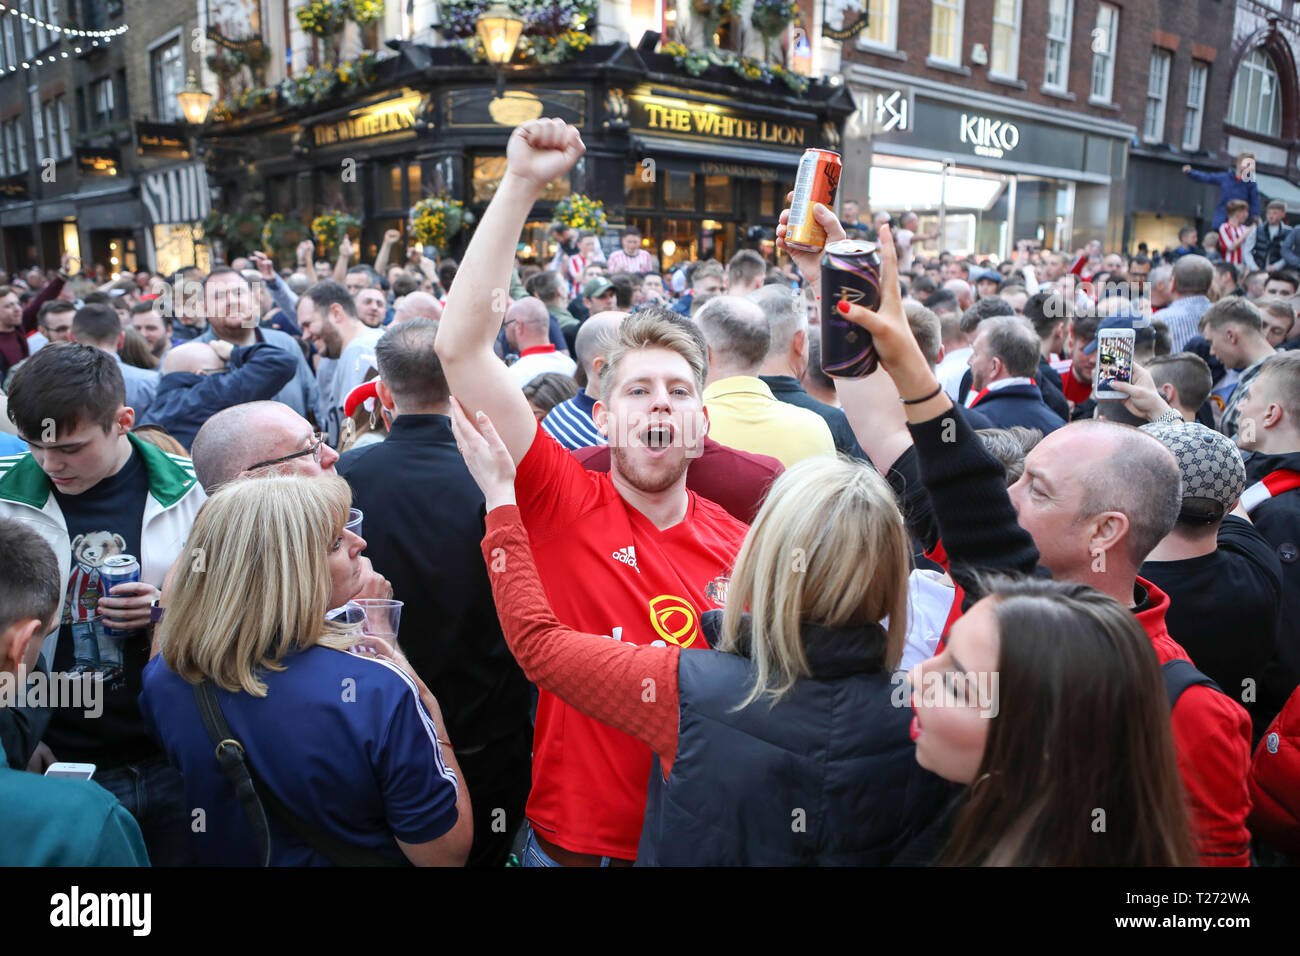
(631, 687)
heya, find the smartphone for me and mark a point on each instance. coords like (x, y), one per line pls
(1114, 361)
(71, 771)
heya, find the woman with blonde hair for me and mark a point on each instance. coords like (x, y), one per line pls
(789, 743)
(347, 751)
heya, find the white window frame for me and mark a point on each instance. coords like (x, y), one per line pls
(958, 8)
(38, 124)
(1062, 40)
(889, 18)
(65, 127)
(43, 36)
(50, 122)
(1253, 73)
(167, 108)
(1013, 54)
(11, 51)
(1103, 55)
(1153, 123)
(20, 135)
(1194, 114)
(105, 83)
(28, 36)
(52, 13)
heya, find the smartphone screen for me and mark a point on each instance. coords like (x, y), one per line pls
(71, 772)
(1114, 360)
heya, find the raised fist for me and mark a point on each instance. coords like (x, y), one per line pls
(392, 237)
(542, 150)
(345, 249)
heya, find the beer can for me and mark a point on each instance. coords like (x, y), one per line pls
(816, 182)
(119, 569)
(850, 273)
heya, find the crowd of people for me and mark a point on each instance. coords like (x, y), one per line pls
(669, 593)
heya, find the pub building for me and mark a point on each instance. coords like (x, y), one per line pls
(984, 169)
(693, 162)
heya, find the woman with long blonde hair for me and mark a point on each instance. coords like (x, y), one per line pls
(345, 749)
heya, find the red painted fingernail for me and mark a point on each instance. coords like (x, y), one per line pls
(843, 306)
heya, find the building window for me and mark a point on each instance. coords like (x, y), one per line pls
(7, 27)
(945, 30)
(50, 118)
(1256, 96)
(882, 25)
(167, 66)
(43, 36)
(1056, 71)
(102, 100)
(1153, 130)
(4, 150)
(1103, 53)
(1005, 59)
(1195, 105)
(65, 128)
(29, 38)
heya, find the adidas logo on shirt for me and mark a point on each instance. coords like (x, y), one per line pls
(627, 556)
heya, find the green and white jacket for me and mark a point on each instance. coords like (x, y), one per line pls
(174, 499)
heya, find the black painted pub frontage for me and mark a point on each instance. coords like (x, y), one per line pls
(693, 162)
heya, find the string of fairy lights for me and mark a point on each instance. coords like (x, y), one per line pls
(77, 37)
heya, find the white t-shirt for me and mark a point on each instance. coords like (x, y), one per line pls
(539, 363)
(337, 377)
(952, 369)
(903, 243)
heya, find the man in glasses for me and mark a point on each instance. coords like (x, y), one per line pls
(200, 379)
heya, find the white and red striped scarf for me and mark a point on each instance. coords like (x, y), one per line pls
(1271, 485)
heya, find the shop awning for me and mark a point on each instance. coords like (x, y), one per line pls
(1275, 187)
(177, 194)
(718, 153)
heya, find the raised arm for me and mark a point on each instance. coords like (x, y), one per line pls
(391, 237)
(604, 679)
(345, 256)
(539, 151)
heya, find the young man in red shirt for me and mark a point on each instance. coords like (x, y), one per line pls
(632, 554)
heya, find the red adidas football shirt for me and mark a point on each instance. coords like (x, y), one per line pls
(608, 570)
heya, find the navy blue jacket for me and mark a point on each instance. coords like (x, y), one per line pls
(1230, 188)
(1019, 405)
(185, 400)
(826, 777)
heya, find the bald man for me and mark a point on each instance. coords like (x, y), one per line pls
(527, 328)
(570, 422)
(962, 290)
(416, 305)
(200, 379)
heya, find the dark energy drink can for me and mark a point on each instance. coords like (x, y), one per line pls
(850, 273)
(817, 181)
(119, 569)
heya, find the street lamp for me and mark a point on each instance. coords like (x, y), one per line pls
(499, 29)
(194, 101)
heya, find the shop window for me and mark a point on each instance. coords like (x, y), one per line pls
(1056, 69)
(1195, 105)
(389, 180)
(767, 199)
(1257, 96)
(679, 191)
(639, 188)
(178, 246)
(490, 170)
(945, 30)
(718, 194)
(1103, 53)
(413, 182)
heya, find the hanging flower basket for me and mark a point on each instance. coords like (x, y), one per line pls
(581, 212)
(328, 229)
(436, 220)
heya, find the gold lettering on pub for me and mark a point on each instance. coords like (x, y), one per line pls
(680, 119)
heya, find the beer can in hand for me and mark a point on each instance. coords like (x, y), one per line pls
(119, 569)
(816, 182)
(850, 273)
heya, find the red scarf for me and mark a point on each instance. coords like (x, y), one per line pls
(983, 392)
(1270, 486)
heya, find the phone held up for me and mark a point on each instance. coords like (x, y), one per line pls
(1114, 361)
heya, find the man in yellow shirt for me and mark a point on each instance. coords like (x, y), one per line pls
(743, 412)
